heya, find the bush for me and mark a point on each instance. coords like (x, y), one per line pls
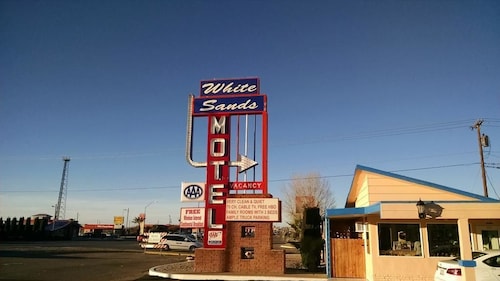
(310, 251)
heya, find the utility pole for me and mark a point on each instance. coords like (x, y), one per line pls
(126, 222)
(483, 141)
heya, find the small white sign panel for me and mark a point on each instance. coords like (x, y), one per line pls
(192, 218)
(253, 209)
(214, 237)
(192, 191)
(155, 237)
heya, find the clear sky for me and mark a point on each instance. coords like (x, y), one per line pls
(392, 85)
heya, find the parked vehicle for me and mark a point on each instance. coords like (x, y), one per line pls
(171, 242)
(195, 236)
(182, 242)
(150, 237)
(487, 267)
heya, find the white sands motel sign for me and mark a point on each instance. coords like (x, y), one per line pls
(219, 100)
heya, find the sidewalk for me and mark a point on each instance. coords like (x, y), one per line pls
(184, 271)
(157, 271)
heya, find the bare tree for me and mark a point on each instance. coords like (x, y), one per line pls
(305, 191)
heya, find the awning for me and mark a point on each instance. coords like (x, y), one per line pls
(353, 212)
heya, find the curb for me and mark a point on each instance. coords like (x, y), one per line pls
(193, 276)
(168, 253)
(157, 272)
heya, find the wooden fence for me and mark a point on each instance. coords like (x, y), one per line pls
(348, 258)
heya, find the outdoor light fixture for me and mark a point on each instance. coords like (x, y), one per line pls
(421, 209)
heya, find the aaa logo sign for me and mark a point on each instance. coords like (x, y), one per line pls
(192, 192)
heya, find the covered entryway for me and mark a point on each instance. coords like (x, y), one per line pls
(347, 249)
(348, 258)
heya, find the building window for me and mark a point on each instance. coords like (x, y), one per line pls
(399, 239)
(248, 231)
(247, 253)
(443, 240)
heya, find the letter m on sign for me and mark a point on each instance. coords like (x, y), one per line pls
(218, 125)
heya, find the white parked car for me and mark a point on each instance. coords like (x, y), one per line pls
(182, 242)
(487, 267)
(171, 242)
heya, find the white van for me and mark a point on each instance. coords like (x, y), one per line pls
(181, 242)
(171, 242)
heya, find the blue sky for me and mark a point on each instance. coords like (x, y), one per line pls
(393, 85)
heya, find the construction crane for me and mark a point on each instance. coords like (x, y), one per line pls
(60, 212)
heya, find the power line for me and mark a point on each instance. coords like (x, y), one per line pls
(390, 132)
(371, 134)
(426, 128)
(94, 189)
(491, 185)
(271, 180)
(392, 171)
(435, 167)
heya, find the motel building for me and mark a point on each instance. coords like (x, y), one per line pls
(382, 234)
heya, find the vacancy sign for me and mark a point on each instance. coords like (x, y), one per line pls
(247, 185)
(192, 218)
(253, 209)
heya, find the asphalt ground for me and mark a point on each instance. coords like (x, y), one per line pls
(80, 260)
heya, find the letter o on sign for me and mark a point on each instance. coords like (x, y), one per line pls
(193, 191)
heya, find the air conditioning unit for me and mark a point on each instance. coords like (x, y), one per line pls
(360, 227)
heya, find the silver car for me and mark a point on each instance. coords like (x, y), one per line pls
(180, 242)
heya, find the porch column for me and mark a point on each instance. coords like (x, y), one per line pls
(466, 263)
(328, 248)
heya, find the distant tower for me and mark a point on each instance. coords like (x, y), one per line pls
(61, 201)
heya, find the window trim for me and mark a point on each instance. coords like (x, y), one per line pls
(420, 234)
(428, 244)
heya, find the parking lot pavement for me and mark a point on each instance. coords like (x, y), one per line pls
(97, 260)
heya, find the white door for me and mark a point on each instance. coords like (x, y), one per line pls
(179, 243)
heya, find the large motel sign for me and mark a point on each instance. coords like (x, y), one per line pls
(219, 100)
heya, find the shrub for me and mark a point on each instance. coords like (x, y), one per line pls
(310, 251)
